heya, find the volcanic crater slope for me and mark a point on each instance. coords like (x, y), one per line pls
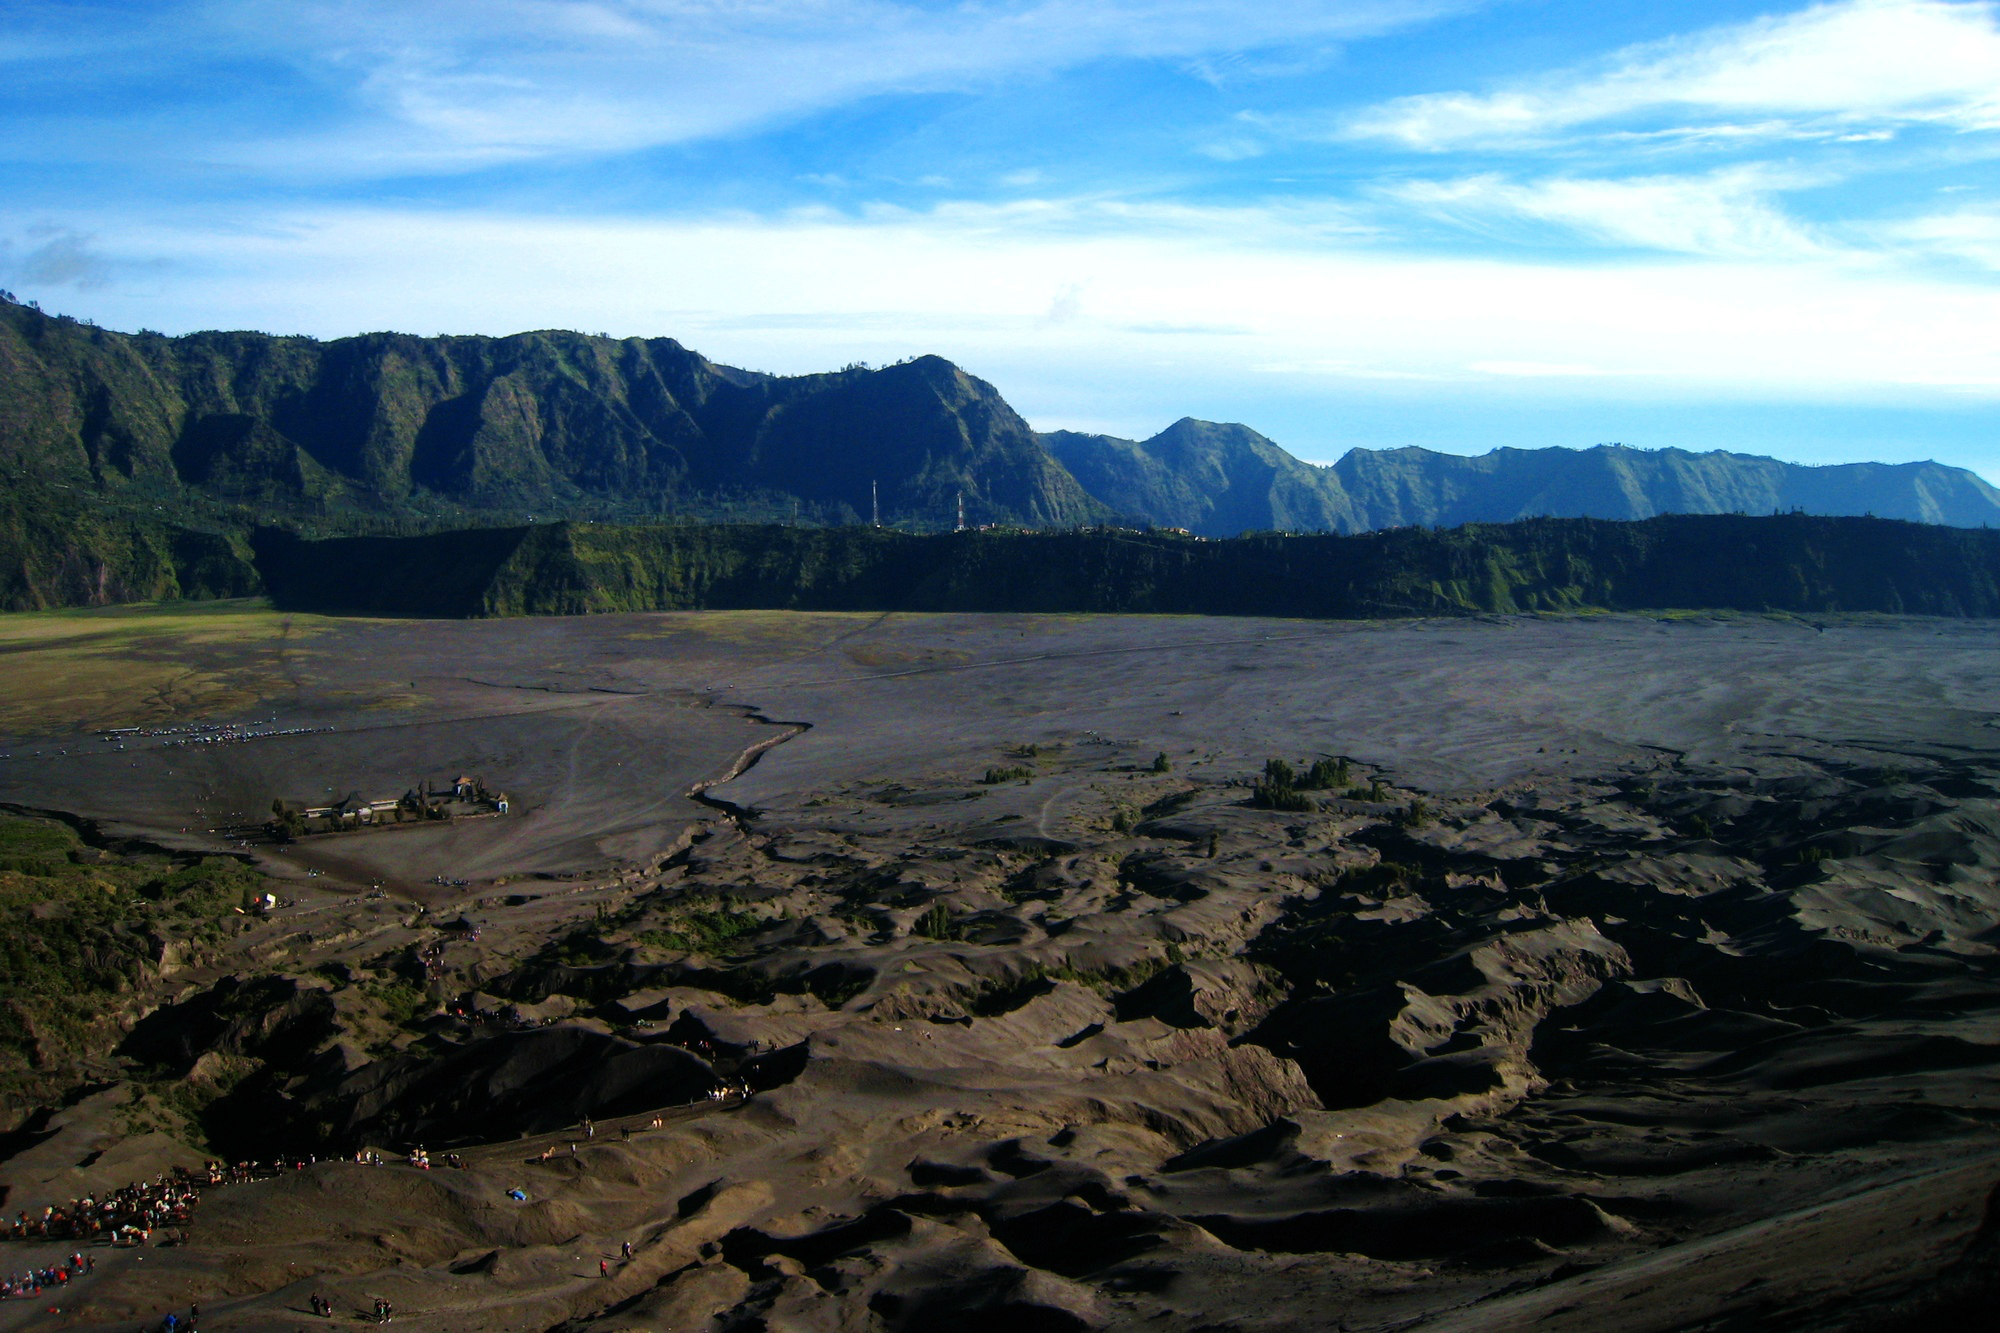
(1446, 1050)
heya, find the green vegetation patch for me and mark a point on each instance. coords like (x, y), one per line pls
(1326, 775)
(82, 931)
(706, 930)
(36, 846)
(1036, 979)
(936, 924)
(1279, 789)
(401, 1003)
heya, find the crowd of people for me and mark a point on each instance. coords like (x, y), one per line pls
(130, 1216)
(420, 1158)
(127, 1216)
(35, 1281)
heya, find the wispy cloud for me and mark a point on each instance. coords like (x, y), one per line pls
(1727, 214)
(1971, 234)
(1822, 70)
(56, 257)
(463, 83)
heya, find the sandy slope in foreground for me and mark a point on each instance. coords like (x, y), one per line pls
(1672, 1006)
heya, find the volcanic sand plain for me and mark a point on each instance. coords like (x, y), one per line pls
(1640, 979)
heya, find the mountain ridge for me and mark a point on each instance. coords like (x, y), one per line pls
(393, 432)
(393, 425)
(1215, 479)
(1251, 483)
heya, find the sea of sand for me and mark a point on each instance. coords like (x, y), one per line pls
(1644, 978)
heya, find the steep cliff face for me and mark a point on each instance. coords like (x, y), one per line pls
(389, 423)
(1793, 563)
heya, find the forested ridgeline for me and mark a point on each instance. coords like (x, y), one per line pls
(1790, 563)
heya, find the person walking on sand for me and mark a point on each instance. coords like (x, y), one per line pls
(625, 1249)
(604, 1268)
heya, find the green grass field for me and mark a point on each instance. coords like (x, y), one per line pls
(132, 665)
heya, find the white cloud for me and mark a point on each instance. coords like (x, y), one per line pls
(1235, 294)
(1969, 234)
(1066, 305)
(1727, 213)
(1856, 61)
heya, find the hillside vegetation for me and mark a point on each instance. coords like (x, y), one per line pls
(87, 931)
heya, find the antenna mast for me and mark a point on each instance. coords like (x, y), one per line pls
(874, 505)
(961, 512)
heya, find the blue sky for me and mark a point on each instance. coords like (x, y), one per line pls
(1773, 228)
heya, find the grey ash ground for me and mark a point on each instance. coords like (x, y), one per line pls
(1644, 980)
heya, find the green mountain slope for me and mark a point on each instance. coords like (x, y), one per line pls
(390, 427)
